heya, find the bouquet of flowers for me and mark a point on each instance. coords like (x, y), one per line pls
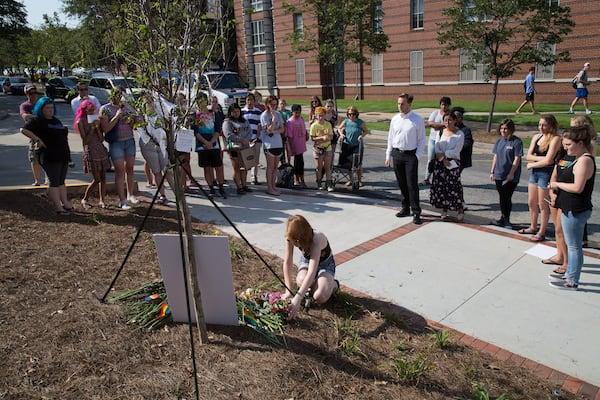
(149, 308)
(264, 311)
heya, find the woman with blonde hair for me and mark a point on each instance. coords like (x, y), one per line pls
(316, 267)
(321, 133)
(541, 155)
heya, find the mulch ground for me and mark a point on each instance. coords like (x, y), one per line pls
(60, 342)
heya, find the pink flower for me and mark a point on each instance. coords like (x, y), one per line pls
(274, 297)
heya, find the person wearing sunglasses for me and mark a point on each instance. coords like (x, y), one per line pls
(83, 94)
(352, 132)
(26, 113)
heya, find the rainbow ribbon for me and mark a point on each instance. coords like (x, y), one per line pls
(164, 310)
(154, 296)
(250, 318)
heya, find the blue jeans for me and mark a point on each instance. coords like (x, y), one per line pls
(572, 226)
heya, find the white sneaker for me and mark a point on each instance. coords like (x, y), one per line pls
(588, 111)
(132, 199)
(570, 111)
(124, 206)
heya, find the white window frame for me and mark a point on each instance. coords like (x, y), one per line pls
(545, 71)
(377, 69)
(417, 14)
(298, 25)
(260, 74)
(378, 17)
(300, 72)
(474, 74)
(257, 5)
(416, 66)
(258, 36)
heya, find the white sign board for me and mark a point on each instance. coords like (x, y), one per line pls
(213, 263)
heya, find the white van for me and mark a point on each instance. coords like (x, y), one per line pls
(227, 86)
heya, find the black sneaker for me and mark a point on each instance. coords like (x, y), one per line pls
(564, 285)
(498, 222)
(417, 219)
(222, 193)
(212, 191)
(247, 189)
(241, 191)
(404, 212)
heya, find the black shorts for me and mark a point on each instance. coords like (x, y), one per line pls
(210, 158)
(274, 152)
(529, 96)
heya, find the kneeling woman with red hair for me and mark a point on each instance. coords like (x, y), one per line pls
(316, 267)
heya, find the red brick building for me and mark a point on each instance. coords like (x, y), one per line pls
(412, 64)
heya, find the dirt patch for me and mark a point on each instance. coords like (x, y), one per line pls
(60, 342)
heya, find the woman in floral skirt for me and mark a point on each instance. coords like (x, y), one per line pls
(446, 188)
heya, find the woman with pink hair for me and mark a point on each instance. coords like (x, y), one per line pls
(95, 155)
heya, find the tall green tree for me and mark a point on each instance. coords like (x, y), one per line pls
(341, 31)
(13, 24)
(504, 34)
(13, 18)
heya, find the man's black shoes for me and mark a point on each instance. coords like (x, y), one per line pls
(404, 212)
(417, 219)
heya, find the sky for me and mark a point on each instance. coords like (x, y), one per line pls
(36, 8)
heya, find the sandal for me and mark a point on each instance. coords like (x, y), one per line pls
(537, 238)
(551, 261)
(526, 231)
(560, 271)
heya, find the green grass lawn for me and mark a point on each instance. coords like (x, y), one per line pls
(501, 111)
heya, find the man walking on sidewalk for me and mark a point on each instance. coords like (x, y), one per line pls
(581, 82)
(529, 91)
(406, 141)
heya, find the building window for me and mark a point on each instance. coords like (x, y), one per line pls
(300, 75)
(258, 36)
(257, 5)
(260, 74)
(472, 15)
(378, 17)
(340, 75)
(545, 71)
(416, 10)
(473, 74)
(377, 69)
(553, 3)
(416, 66)
(298, 26)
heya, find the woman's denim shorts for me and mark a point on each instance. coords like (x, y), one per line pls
(122, 149)
(326, 266)
(540, 177)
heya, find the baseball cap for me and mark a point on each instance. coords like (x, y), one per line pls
(586, 64)
(29, 87)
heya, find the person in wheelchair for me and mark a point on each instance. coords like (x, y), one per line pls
(352, 131)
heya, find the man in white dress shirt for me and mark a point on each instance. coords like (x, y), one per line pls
(406, 141)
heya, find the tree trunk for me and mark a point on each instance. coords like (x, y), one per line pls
(492, 104)
(188, 243)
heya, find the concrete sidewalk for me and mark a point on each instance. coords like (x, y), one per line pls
(476, 280)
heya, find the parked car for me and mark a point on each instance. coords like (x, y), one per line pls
(101, 84)
(61, 88)
(15, 85)
(227, 86)
(3, 80)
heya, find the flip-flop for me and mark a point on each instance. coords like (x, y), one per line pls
(537, 238)
(526, 231)
(551, 261)
(559, 271)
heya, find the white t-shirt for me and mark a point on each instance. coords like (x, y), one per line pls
(437, 117)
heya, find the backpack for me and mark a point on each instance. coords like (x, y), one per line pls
(575, 81)
(285, 176)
